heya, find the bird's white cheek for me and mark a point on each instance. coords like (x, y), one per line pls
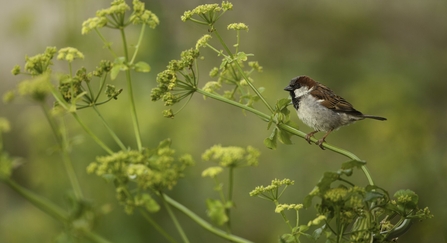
(301, 91)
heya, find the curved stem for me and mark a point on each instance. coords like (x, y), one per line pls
(112, 133)
(172, 215)
(203, 223)
(157, 227)
(68, 165)
(290, 129)
(92, 135)
(42, 203)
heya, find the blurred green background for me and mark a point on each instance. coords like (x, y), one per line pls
(387, 58)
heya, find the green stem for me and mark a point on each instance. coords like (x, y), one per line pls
(288, 128)
(203, 223)
(137, 47)
(174, 219)
(243, 73)
(131, 96)
(42, 203)
(107, 44)
(230, 197)
(112, 133)
(93, 236)
(92, 135)
(65, 157)
(157, 227)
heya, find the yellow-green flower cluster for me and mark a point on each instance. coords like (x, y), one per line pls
(281, 207)
(212, 86)
(142, 15)
(237, 26)
(156, 169)
(39, 63)
(337, 194)
(232, 156)
(318, 220)
(203, 41)
(207, 11)
(37, 88)
(69, 54)
(273, 187)
(93, 23)
(172, 90)
(71, 88)
(255, 66)
(212, 171)
(4, 125)
(117, 7)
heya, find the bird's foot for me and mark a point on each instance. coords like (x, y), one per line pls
(320, 143)
(310, 135)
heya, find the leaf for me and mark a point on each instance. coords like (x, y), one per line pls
(353, 163)
(283, 103)
(142, 67)
(115, 70)
(270, 142)
(284, 136)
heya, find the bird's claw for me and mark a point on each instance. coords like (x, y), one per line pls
(320, 143)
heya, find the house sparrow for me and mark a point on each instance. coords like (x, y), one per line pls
(320, 108)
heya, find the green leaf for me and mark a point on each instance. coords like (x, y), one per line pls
(142, 67)
(283, 103)
(270, 142)
(115, 70)
(284, 136)
(353, 163)
(216, 211)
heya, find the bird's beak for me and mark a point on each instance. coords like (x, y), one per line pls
(288, 88)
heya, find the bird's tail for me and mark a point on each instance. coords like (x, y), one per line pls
(375, 117)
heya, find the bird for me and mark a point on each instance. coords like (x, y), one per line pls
(321, 109)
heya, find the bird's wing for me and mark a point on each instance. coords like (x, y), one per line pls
(334, 102)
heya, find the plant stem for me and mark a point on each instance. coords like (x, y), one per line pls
(157, 227)
(93, 236)
(131, 96)
(242, 72)
(203, 223)
(92, 135)
(230, 197)
(290, 129)
(174, 219)
(112, 133)
(42, 203)
(65, 157)
(137, 47)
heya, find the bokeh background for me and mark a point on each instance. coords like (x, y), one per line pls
(387, 58)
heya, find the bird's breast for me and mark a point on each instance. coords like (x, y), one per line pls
(317, 116)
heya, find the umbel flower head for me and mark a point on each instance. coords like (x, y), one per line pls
(114, 16)
(150, 168)
(38, 64)
(171, 89)
(208, 13)
(232, 156)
